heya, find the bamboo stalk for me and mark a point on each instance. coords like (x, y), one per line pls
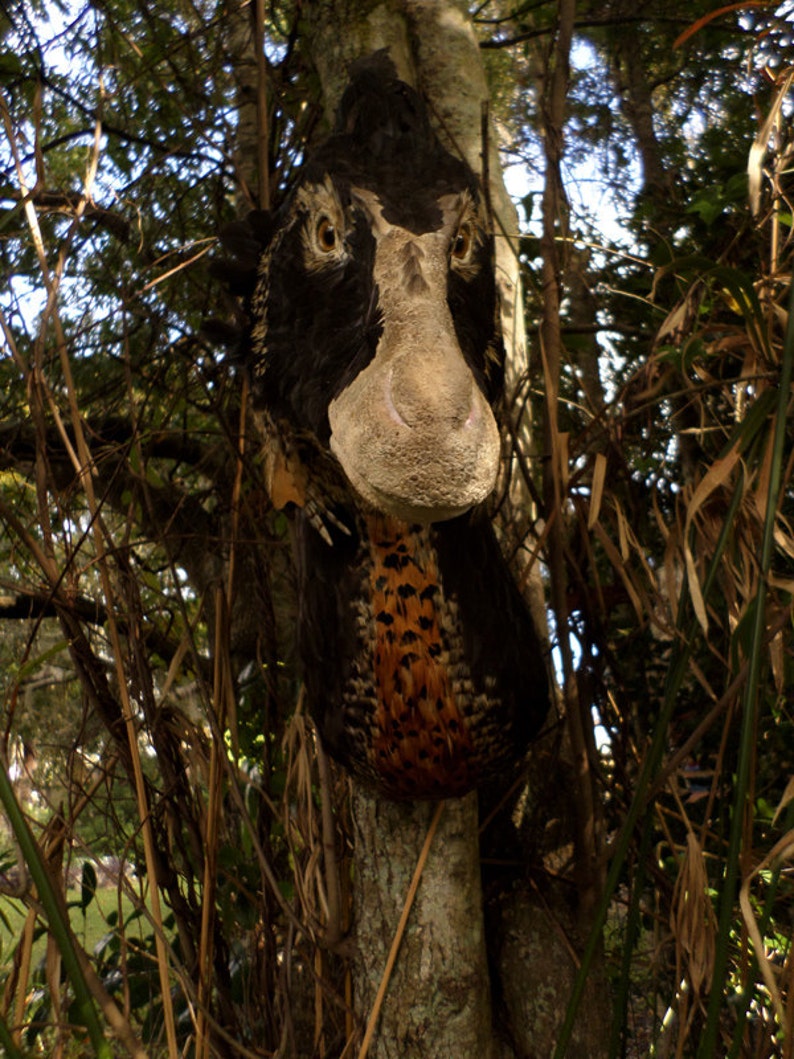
(215, 787)
(750, 700)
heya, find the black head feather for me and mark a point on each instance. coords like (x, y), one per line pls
(383, 141)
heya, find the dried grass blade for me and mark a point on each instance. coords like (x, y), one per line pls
(760, 144)
(597, 489)
(692, 918)
(620, 566)
(717, 474)
(788, 796)
(84, 466)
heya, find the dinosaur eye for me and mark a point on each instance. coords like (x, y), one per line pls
(461, 245)
(326, 235)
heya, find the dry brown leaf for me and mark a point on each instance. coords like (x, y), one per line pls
(788, 795)
(284, 478)
(761, 491)
(784, 584)
(657, 514)
(616, 560)
(777, 660)
(692, 918)
(597, 489)
(694, 590)
(714, 477)
(678, 320)
(176, 663)
(784, 537)
(761, 142)
(673, 578)
(623, 536)
(563, 445)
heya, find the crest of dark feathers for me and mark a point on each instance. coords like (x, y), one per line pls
(379, 116)
(382, 140)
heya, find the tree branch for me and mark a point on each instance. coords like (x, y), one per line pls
(68, 201)
(29, 605)
(585, 23)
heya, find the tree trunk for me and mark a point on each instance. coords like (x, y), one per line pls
(438, 1000)
(632, 80)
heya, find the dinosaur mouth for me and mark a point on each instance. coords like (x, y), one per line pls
(419, 462)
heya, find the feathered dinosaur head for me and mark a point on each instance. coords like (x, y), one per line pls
(374, 317)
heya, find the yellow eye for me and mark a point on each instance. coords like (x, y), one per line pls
(461, 245)
(326, 235)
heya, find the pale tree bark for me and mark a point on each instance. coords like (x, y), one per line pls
(438, 999)
(438, 1002)
(243, 31)
(238, 30)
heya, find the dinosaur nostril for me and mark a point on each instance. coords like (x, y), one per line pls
(390, 405)
(420, 393)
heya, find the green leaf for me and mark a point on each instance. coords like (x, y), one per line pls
(88, 885)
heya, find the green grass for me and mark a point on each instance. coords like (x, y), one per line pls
(89, 927)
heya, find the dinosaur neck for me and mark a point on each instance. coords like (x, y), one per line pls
(422, 665)
(421, 746)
